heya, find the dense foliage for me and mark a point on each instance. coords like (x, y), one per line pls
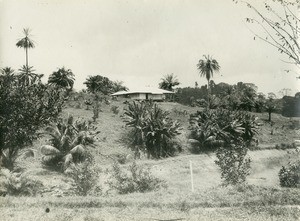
(230, 134)
(152, 129)
(289, 176)
(25, 106)
(103, 85)
(63, 78)
(291, 106)
(67, 143)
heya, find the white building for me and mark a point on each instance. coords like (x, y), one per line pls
(146, 93)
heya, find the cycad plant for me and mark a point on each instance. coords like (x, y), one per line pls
(152, 130)
(67, 143)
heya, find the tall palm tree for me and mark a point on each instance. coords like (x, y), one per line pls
(168, 82)
(63, 78)
(25, 43)
(207, 67)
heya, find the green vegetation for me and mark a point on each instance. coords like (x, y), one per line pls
(25, 106)
(85, 176)
(63, 78)
(67, 143)
(136, 179)
(168, 82)
(152, 129)
(231, 133)
(33, 113)
(20, 184)
(289, 175)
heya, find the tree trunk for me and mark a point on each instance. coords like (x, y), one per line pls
(208, 93)
(26, 50)
(269, 116)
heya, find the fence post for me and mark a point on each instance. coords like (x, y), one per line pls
(192, 178)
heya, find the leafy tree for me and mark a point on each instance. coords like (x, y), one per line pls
(168, 82)
(24, 109)
(63, 78)
(25, 43)
(279, 23)
(207, 67)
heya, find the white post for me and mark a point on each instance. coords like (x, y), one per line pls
(192, 178)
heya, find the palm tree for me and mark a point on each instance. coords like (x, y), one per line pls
(25, 43)
(168, 82)
(99, 83)
(7, 76)
(207, 67)
(63, 78)
(68, 141)
(27, 76)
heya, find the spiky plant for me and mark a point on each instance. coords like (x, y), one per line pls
(67, 143)
(153, 131)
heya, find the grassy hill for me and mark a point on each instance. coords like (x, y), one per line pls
(261, 199)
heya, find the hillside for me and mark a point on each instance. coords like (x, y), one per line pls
(176, 200)
(111, 145)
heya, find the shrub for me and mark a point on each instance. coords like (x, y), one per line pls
(289, 176)
(153, 130)
(229, 132)
(234, 164)
(115, 109)
(284, 146)
(85, 177)
(136, 179)
(67, 143)
(20, 185)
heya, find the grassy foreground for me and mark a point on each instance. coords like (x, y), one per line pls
(221, 203)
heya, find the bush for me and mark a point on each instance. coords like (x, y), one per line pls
(20, 185)
(115, 109)
(85, 177)
(136, 179)
(67, 143)
(230, 133)
(234, 164)
(153, 131)
(284, 146)
(289, 176)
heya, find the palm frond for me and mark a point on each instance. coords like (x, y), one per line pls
(49, 150)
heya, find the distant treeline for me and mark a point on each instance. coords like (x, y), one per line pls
(240, 96)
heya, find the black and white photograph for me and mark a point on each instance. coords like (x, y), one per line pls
(155, 110)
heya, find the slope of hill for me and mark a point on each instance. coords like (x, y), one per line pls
(177, 200)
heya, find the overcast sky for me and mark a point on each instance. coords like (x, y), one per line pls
(138, 42)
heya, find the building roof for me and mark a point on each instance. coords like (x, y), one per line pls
(144, 90)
